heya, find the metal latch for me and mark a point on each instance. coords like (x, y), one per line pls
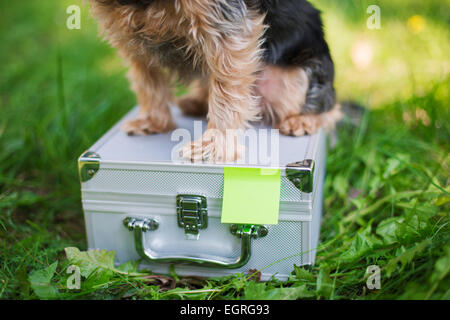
(192, 214)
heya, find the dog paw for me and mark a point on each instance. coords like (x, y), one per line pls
(144, 126)
(299, 125)
(213, 147)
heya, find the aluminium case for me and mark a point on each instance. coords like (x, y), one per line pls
(143, 205)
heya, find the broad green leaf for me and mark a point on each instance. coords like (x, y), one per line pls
(129, 267)
(446, 295)
(91, 262)
(388, 228)
(185, 293)
(425, 209)
(406, 257)
(340, 185)
(408, 229)
(259, 291)
(359, 203)
(442, 200)
(97, 266)
(254, 290)
(375, 184)
(394, 165)
(324, 284)
(40, 281)
(292, 293)
(303, 274)
(441, 267)
(413, 229)
(362, 243)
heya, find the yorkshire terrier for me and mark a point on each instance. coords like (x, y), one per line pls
(245, 60)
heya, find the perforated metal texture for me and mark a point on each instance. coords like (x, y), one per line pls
(289, 192)
(171, 183)
(279, 258)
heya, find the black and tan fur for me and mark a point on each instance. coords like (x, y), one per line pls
(246, 59)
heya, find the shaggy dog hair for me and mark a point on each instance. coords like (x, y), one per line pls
(245, 60)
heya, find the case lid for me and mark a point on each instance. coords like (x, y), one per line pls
(116, 158)
(117, 146)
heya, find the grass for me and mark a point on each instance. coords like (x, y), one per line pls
(386, 193)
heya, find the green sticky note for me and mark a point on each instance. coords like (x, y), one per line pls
(251, 195)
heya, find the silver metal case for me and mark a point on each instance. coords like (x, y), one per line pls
(143, 205)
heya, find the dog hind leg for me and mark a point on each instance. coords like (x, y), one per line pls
(196, 102)
(320, 109)
(298, 125)
(283, 91)
(297, 100)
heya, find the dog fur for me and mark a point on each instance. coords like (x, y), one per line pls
(248, 60)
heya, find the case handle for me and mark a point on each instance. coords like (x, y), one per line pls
(245, 232)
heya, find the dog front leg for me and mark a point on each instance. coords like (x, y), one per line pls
(153, 95)
(230, 45)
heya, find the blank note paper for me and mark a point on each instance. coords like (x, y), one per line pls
(251, 195)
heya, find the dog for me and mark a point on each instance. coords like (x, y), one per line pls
(245, 60)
